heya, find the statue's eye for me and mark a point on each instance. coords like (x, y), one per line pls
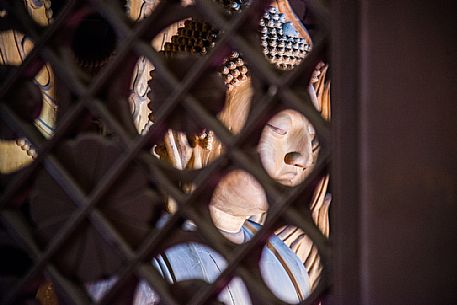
(277, 130)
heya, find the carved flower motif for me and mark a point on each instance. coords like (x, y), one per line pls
(128, 206)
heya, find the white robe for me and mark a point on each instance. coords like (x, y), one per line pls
(281, 270)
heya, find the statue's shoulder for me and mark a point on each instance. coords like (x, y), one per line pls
(253, 224)
(275, 242)
(253, 227)
(280, 265)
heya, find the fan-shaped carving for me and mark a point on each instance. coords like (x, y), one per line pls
(128, 206)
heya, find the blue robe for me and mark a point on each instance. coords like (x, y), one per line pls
(281, 270)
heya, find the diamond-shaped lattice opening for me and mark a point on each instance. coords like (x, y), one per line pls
(288, 147)
(237, 197)
(191, 267)
(136, 291)
(87, 255)
(93, 43)
(283, 272)
(299, 275)
(29, 98)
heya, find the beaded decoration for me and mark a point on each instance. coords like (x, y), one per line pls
(25, 145)
(198, 37)
(233, 6)
(194, 37)
(280, 41)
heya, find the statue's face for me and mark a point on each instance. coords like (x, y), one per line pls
(286, 147)
(286, 152)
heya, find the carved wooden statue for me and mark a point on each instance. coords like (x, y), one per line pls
(288, 147)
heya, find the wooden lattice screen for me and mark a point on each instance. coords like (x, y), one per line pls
(93, 116)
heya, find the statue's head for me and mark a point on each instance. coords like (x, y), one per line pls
(286, 147)
(240, 194)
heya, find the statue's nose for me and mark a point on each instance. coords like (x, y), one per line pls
(296, 159)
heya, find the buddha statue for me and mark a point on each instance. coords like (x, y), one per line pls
(287, 153)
